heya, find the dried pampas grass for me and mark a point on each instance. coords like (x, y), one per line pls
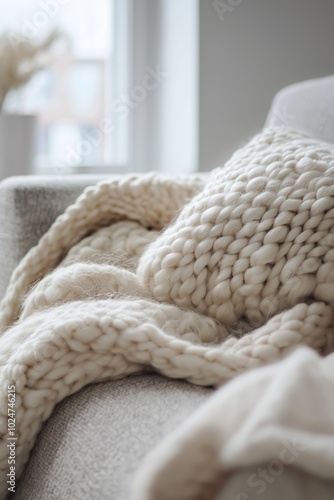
(20, 59)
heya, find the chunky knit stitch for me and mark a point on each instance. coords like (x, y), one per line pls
(252, 251)
(258, 238)
(151, 199)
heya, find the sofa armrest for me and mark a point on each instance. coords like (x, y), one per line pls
(28, 207)
(307, 106)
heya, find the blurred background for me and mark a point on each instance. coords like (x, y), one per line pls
(137, 85)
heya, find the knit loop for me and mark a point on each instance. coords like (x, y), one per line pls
(243, 275)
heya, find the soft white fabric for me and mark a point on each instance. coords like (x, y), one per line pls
(307, 106)
(269, 421)
(242, 273)
(289, 484)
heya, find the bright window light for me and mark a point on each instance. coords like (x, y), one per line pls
(73, 96)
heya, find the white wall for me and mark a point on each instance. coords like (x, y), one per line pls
(249, 52)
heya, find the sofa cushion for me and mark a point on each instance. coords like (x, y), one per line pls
(28, 206)
(94, 441)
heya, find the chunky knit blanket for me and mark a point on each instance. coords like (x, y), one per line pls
(196, 278)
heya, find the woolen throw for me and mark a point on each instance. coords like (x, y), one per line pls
(196, 278)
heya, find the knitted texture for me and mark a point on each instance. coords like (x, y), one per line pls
(259, 237)
(252, 252)
(150, 199)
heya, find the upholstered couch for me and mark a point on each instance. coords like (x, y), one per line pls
(94, 441)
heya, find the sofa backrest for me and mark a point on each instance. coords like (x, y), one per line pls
(307, 106)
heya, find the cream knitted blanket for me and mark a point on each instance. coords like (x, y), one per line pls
(242, 273)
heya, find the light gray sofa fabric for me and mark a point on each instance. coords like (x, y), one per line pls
(28, 206)
(94, 441)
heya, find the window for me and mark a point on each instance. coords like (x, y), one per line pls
(125, 97)
(72, 97)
